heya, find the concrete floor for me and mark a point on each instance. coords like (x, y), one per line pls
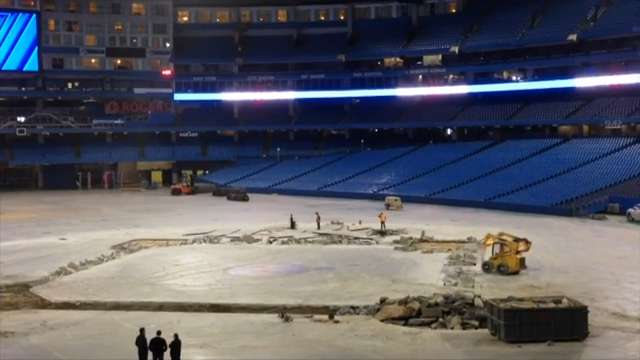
(110, 335)
(310, 275)
(597, 262)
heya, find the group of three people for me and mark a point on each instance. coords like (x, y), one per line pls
(157, 346)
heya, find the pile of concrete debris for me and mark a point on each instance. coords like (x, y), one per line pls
(85, 264)
(429, 244)
(535, 303)
(286, 238)
(459, 270)
(461, 311)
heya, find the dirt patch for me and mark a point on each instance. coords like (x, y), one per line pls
(6, 334)
(20, 297)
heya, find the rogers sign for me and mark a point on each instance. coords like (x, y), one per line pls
(136, 107)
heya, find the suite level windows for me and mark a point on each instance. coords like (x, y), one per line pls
(137, 9)
(57, 63)
(322, 15)
(303, 15)
(52, 25)
(363, 12)
(160, 29)
(30, 4)
(116, 9)
(92, 63)
(342, 14)
(72, 26)
(183, 16)
(93, 7)
(282, 15)
(160, 10)
(90, 40)
(48, 5)
(123, 64)
(73, 6)
(118, 27)
(264, 15)
(223, 16)
(203, 15)
(245, 15)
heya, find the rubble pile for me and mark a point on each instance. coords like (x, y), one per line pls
(429, 244)
(73, 267)
(534, 303)
(460, 268)
(460, 311)
(388, 232)
(323, 239)
(269, 237)
(207, 239)
(135, 245)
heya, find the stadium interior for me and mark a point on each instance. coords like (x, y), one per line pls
(481, 116)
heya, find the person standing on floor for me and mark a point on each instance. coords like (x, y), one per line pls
(175, 348)
(158, 346)
(383, 221)
(292, 222)
(141, 344)
(318, 220)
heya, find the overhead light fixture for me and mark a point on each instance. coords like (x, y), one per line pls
(582, 82)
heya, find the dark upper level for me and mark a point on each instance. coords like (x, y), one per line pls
(407, 31)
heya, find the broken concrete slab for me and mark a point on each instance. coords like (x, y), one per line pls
(394, 312)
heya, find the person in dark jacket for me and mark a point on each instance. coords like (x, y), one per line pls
(158, 346)
(141, 344)
(175, 348)
(318, 220)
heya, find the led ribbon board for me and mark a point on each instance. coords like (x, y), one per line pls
(19, 41)
(583, 82)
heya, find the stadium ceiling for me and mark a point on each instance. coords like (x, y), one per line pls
(257, 3)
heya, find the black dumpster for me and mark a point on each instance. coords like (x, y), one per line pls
(530, 319)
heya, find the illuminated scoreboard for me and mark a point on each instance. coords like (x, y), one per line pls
(19, 41)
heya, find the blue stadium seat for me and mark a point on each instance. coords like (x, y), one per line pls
(438, 34)
(558, 21)
(422, 160)
(620, 18)
(557, 160)
(503, 27)
(478, 164)
(230, 174)
(339, 170)
(282, 171)
(610, 170)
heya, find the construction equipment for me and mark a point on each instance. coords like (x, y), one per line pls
(506, 253)
(393, 203)
(182, 189)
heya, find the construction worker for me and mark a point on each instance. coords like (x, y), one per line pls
(292, 222)
(318, 220)
(383, 221)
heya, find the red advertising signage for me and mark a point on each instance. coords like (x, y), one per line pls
(136, 106)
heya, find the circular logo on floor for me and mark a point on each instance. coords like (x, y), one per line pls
(263, 270)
